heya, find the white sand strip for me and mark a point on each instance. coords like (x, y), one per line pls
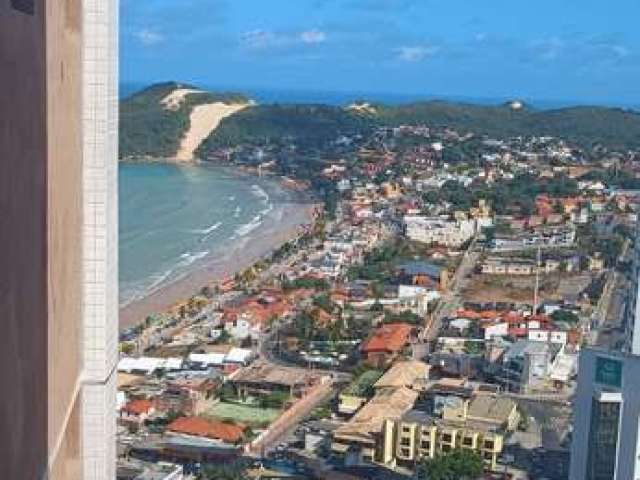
(204, 120)
(175, 98)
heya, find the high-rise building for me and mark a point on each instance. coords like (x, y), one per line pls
(58, 238)
(606, 437)
(632, 315)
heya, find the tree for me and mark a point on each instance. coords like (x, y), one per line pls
(459, 464)
(565, 316)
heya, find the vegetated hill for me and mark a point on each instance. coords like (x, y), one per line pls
(586, 126)
(149, 129)
(304, 125)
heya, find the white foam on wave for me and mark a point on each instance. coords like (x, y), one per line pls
(236, 214)
(247, 228)
(186, 260)
(260, 193)
(208, 230)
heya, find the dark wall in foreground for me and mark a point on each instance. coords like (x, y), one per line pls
(40, 238)
(23, 261)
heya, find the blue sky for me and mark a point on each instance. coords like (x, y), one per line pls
(583, 50)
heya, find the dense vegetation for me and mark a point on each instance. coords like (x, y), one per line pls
(519, 193)
(308, 126)
(459, 464)
(147, 128)
(585, 126)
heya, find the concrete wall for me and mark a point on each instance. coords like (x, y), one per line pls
(64, 219)
(23, 253)
(41, 226)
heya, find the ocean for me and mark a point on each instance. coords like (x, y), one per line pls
(173, 216)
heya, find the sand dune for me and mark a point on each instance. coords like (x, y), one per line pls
(175, 98)
(204, 120)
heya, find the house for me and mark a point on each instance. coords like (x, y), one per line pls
(386, 343)
(262, 378)
(188, 396)
(210, 429)
(136, 412)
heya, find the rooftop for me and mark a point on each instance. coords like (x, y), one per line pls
(387, 404)
(262, 372)
(491, 408)
(391, 337)
(200, 427)
(404, 374)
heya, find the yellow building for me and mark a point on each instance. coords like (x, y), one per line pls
(478, 424)
(417, 436)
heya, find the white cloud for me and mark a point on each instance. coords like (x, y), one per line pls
(313, 36)
(416, 53)
(259, 39)
(264, 39)
(149, 37)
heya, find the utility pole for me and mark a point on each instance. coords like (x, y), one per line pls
(536, 289)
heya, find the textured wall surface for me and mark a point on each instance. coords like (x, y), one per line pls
(64, 236)
(100, 261)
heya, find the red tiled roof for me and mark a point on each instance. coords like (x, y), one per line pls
(388, 338)
(138, 407)
(201, 427)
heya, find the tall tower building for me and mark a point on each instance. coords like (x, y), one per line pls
(58, 238)
(606, 437)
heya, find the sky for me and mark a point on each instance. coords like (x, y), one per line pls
(586, 51)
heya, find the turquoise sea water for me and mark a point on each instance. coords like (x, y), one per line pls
(172, 217)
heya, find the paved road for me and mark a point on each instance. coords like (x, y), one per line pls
(451, 299)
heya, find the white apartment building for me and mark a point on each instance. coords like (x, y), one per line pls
(438, 231)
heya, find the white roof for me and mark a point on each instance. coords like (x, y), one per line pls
(148, 364)
(239, 355)
(208, 358)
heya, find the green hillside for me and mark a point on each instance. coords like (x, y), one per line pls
(586, 126)
(311, 125)
(147, 128)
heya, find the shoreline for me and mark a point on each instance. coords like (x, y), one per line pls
(216, 267)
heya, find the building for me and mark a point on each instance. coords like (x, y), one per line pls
(548, 237)
(188, 396)
(263, 378)
(438, 231)
(632, 312)
(386, 343)
(215, 430)
(58, 231)
(358, 440)
(606, 440)
(416, 436)
(527, 365)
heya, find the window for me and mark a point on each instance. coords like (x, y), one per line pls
(406, 429)
(488, 444)
(446, 437)
(405, 452)
(405, 441)
(468, 441)
(24, 6)
(425, 444)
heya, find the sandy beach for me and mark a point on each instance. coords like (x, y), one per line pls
(281, 225)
